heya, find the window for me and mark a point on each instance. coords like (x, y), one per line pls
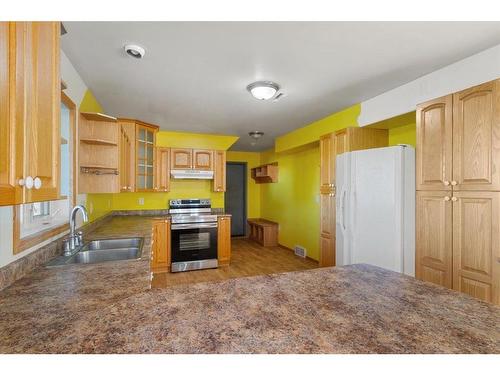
(36, 222)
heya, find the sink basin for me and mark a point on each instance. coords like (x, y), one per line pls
(98, 251)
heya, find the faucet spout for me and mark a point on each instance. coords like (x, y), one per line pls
(72, 218)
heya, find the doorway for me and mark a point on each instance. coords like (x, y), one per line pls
(235, 199)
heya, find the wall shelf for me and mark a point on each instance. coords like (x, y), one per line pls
(95, 116)
(101, 142)
(267, 173)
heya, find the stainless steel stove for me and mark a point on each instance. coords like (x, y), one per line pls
(194, 235)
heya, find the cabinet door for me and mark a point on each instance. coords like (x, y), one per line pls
(8, 154)
(433, 261)
(220, 171)
(434, 144)
(124, 160)
(203, 159)
(476, 244)
(327, 163)
(476, 138)
(181, 158)
(341, 143)
(162, 169)
(224, 240)
(160, 246)
(327, 251)
(145, 158)
(43, 100)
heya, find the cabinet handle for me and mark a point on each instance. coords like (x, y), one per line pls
(446, 183)
(21, 182)
(37, 183)
(28, 182)
(454, 199)
(447, 198)
(453, 183)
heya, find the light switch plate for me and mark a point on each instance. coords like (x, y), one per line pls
(140, 201)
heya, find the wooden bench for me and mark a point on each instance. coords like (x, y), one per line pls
(263, 231)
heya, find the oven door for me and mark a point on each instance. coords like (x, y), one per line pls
(194, 241)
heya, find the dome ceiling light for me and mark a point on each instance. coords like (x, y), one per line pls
(256, 135)
(263, 90)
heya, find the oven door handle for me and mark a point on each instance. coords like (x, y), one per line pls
(194, 226)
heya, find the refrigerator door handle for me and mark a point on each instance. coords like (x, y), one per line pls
(342, 207)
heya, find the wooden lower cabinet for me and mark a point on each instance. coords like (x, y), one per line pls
(160, 246)
(224, 240)
(433, 258)
(327, 251)
(327, 230)
(476, 244)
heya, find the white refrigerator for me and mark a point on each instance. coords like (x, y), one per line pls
(375, 208)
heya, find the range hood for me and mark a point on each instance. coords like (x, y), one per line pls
(192, 174)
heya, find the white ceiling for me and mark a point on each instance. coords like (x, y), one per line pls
(194, 74)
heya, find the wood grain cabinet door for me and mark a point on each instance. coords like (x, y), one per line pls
(162, 169)
(327, 251)
(43, 100)
(8, 153)
(219, 171)
(160, 246)
(327, 163)
(224, 240)
(434, 144)
(433, 261)
(181, 158)
(203, 159)
(476, 244)
(476, 138)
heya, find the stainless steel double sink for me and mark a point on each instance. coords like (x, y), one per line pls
(105, 250)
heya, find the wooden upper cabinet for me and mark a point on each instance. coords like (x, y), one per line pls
(434, 144)
(341, 143)
(181, 158)
(8, 154)
(476, 244)
(43, 101)
(162, 169)
(203, 159)
(219, 171)
(476, 138)
(224, 240)
(433, 258)
(127, 157)
(327, 169)
(145, 157)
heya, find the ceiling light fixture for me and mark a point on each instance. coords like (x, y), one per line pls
(256, 134)
(135, 51)
(263, 90)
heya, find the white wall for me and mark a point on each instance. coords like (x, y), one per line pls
(76, 90)
(476, 69)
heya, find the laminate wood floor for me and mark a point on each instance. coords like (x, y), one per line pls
(247, 259)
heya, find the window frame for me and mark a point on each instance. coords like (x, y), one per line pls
(24, 243)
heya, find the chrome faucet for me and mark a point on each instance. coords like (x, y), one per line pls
(75, 239)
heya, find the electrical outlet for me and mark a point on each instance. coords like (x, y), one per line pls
(140, 201)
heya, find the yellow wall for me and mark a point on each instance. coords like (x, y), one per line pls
(310, 133)
(194, 140)
(253, 190)
(402, 129)
(293, 201)
(90, 104)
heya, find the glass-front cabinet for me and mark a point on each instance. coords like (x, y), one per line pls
(145, 136)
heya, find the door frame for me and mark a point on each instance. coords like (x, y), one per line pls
(245, 194)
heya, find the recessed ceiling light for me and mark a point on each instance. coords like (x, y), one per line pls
(135, 51)
(263, 90)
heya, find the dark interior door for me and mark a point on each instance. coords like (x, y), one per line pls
(235, 199)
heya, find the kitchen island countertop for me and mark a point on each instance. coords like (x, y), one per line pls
(110, 308)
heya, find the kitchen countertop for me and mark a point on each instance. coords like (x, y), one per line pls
(110, 308)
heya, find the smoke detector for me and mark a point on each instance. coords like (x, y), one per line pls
(134, 50)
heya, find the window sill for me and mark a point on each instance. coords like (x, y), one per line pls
(21, 244)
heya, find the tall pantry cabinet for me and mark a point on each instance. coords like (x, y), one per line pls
(30, 100)
(458, 191)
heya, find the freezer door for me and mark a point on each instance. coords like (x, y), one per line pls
(376, 207)
(342, 235)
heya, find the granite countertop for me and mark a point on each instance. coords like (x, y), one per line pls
(110, 308)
